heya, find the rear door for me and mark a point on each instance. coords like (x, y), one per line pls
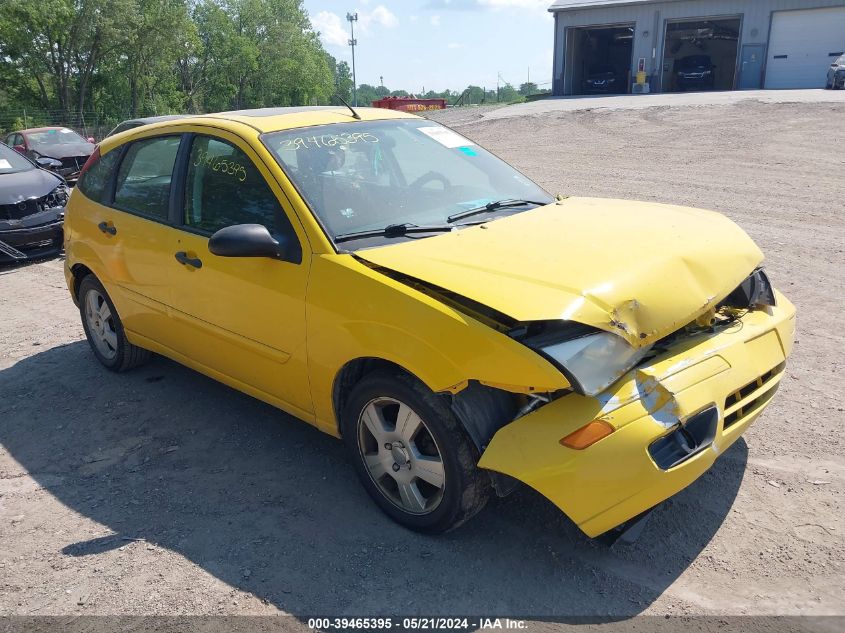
(246, 316)
(127, 224)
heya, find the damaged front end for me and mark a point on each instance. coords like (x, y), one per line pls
(667, 335)
(32, 227)
(606, 457)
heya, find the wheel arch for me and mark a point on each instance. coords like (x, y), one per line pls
(80, 272)
(351, 374)
(480, 409)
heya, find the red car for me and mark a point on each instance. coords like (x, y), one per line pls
(61, 144)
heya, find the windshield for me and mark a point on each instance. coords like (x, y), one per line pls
(61, 136)
(11, 162)
(369, 175)
(695, 60)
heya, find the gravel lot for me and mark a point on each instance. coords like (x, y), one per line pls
(163, 492)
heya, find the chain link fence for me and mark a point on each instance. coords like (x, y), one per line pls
(93, 123)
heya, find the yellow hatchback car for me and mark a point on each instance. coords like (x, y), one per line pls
(394, 284)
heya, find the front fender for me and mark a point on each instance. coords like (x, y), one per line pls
(356, 312)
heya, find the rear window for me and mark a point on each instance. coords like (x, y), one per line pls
(94, 182)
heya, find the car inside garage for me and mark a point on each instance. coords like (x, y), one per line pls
(700, 54)
(796, 60)
(601, 59)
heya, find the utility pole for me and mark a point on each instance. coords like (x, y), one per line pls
(353, 18)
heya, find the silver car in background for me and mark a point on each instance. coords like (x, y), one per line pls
(836, 74)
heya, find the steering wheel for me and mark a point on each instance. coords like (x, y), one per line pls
(431, 176)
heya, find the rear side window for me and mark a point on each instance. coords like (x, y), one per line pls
(224, 188)
(95, 180)
(144, 176)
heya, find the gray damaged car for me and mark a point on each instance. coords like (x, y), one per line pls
(32, 208)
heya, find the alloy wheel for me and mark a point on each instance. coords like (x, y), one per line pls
(401, 455)
(100, 323)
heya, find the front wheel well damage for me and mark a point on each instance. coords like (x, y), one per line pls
(352, 373)
(482, 410)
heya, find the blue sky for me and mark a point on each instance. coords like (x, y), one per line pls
(439, 44)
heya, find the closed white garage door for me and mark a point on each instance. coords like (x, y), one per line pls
(801, 45)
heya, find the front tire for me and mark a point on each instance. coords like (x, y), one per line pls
(104, 330)
(411, 453)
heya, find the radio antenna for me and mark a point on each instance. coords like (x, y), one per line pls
(355, 115)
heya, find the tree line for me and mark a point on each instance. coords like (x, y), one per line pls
(147, 57)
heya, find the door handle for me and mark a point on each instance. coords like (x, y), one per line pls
(105, 227)
(182, 258)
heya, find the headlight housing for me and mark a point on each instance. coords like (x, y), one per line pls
(57, 198)
(590, 359)
(754, 292)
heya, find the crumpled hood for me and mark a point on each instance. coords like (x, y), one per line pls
(23, 185)
(64, 150)
(638, 269)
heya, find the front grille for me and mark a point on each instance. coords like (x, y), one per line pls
(750, 397)
(56, 198)
(20, 209)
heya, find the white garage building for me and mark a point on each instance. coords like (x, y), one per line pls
(600, 45)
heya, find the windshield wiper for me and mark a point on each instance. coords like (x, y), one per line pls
(394, 230)
(493, 206)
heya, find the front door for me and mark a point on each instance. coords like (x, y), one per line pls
(751, 69)
(244, 318)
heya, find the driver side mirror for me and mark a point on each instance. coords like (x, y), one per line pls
(249, 240)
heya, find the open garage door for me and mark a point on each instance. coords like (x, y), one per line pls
(599, 59)
(802, 46)
(700, 54)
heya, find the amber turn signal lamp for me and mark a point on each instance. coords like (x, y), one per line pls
(587, 435)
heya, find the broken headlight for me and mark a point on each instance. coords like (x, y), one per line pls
(754, 292)
(590, 359)
(57, 198)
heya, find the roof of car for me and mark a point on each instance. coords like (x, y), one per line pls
(146, 120)
(275, 119)
(271, 119)
(43, 129)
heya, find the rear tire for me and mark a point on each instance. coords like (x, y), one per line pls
(104, 330)
(411, 453)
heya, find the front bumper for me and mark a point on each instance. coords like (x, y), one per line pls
(736, 370)
(695, 82)
(599, 88)
(22, 242)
